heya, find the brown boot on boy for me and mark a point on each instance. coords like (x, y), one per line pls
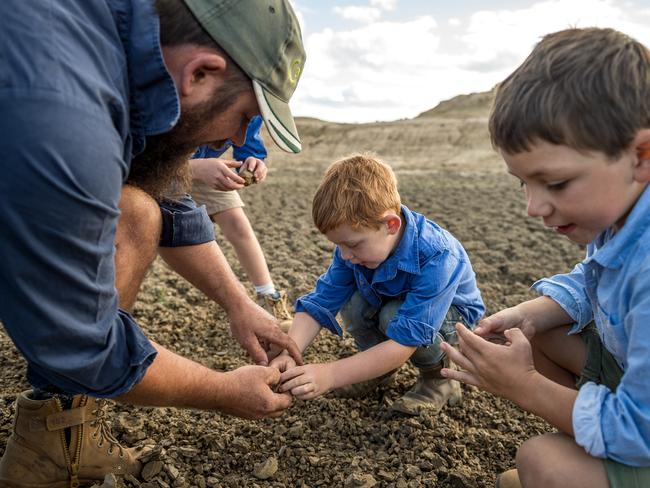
(276, 304)
(38, 454)
(430, 393)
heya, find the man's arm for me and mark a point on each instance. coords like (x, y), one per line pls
(173, 380)
(205, 266)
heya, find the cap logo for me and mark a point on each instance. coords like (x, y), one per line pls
(294, 72)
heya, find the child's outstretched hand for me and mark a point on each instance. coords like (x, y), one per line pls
(504, 370)
(283, 362)
(307, 382)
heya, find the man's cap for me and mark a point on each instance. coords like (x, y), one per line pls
(263, 37)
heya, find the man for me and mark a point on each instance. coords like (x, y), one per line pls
(88, 97)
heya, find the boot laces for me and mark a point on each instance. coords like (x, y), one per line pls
(103, 432)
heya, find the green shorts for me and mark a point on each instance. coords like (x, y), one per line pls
(602, 368)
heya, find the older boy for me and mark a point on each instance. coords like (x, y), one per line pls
(215, 185)
(400, 282)
(573, 124)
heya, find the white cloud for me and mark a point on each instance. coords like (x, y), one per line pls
(389, 70)
(384, 4)
(359, 14)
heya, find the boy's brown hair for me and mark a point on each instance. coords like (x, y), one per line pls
(356, 191)
(588, 89)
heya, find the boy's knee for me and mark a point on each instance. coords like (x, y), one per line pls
(354, 312)
(531, 461)
(234, 225)
(140, 221)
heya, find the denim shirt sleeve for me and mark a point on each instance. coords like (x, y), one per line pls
(333, 289)
(63, 167)
(430, 296)
(616, 424)
(253, 145)
(184, 224)
(568, 290)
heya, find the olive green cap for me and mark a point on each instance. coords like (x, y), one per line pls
(263, 37)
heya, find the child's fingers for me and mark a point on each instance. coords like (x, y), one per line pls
(291, 373)
(471, 344)
(303, 390)
(462, 376)
(458, 357)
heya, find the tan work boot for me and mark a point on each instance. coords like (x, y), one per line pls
(508, 479)
(276, 305)
(430, 393)
(359, 390)
(38, 455)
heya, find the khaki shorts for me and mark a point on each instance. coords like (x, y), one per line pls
(215, 201)
(602, 368)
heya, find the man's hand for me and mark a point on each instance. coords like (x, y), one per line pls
(255, 329)
(504, 370)
(307, 382)
(257, 166)
(283, 362)
(217, 173)
(249, 393)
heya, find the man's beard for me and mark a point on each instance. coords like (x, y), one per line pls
(163, 168)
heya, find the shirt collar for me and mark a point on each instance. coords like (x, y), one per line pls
(155, 106)
(612, 249)
(406, 256)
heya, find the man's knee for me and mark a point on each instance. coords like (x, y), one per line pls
(531, 461)
(140, 221)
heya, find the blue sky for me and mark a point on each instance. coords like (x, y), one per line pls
(370, 60)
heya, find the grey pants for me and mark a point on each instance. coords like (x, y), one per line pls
(368, 326)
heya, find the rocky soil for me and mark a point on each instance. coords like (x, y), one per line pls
(447, 171)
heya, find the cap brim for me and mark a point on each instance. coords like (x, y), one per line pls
(278, 119)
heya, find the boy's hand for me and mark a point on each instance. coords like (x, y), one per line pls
(217, 173)
(504, 370)
(307, 382)
(257, 166)
(492, 328)
(283, 362)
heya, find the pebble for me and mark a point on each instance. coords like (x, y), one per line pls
(266, 469)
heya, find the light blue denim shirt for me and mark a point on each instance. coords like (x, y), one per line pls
(612, 287)
(429, 270)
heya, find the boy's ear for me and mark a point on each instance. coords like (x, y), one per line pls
(642, 146)
(199, 75)
(393, 223)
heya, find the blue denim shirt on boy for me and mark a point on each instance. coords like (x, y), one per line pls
(82, 84)
(429, 270)
(253, 145)
(612, 288)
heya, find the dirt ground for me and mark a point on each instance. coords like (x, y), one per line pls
(447, 171)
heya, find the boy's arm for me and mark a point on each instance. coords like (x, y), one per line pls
(312, 380)
(303, 331)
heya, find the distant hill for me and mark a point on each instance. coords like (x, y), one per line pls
(462, 106)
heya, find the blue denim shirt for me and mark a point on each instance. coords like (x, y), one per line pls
(612, 287)
(253, 145)
(82, 84)
(429, 270)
